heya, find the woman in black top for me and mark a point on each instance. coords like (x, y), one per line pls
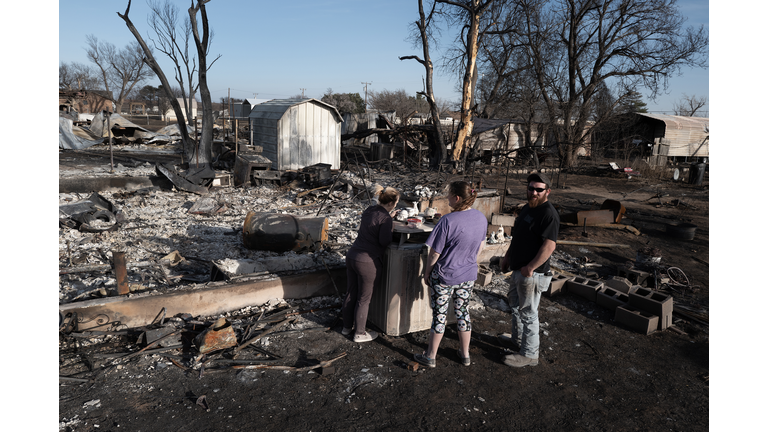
(364, 264)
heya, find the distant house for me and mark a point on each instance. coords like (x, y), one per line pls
(295, 133)
(493, 135)
(170, 114)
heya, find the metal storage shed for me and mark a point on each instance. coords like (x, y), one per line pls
(679, 136)
(295, 133)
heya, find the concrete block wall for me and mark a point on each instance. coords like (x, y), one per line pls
(584, 287)
(610, 298)
(653, 302)
(636, 319)
(557, 285)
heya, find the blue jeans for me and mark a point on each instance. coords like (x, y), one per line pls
(524, 296)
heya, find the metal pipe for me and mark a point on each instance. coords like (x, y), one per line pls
(121, 273)
(111, 157)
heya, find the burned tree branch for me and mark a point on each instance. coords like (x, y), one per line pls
(149, 59)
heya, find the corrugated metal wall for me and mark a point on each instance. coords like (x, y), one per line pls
(296, 134)
(682, 136)
(495, 139)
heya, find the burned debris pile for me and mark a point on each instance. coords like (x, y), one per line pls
(197, 345)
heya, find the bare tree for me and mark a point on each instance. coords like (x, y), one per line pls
(424, 28)
(689, 105)
(149, 59)
(579, 44)
(202, 43)
(164, 20)
(77, 76)
(120, 70)
(468, 15)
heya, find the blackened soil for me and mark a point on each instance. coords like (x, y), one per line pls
(594, 373)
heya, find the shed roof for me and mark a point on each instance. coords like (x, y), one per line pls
(254, 102)
(685, 136)
(680, 122)
(275, 108)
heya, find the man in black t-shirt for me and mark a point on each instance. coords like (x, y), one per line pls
(533, 241)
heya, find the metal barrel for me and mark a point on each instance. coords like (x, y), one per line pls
(284, 232)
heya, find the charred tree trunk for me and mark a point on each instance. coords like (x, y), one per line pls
(466, 124)
(203, 151)
(149, 59)
(439, 152)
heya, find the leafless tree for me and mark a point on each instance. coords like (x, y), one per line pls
(689, 105)
(187, 143)
(120, 70)
(575, 45)
(424, 30)
(202, 42)
(77, 76)
(164, 20)
(467, 14)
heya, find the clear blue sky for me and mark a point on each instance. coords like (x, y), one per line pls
(274, 49)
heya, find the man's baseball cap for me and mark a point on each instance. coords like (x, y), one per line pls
(540, 178)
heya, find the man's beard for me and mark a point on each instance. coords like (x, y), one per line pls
(535, 201)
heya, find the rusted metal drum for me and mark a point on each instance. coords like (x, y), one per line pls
(284, 232)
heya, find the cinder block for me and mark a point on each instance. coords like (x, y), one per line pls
(484, 276)
(635, 276)
(610, 298)
(584, 287)
(637, 319)
(654, 302)
(502, 219)
(557, 284)
(618, 283)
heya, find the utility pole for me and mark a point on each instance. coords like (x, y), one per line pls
(366, 94)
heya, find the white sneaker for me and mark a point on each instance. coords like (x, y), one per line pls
(366, 337)
(346, 331)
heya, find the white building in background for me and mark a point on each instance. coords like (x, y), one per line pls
(170, 114)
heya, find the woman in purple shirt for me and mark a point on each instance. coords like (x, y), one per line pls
(364, 264)
(451, 271)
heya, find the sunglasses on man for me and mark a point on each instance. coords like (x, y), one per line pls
(539, 190)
